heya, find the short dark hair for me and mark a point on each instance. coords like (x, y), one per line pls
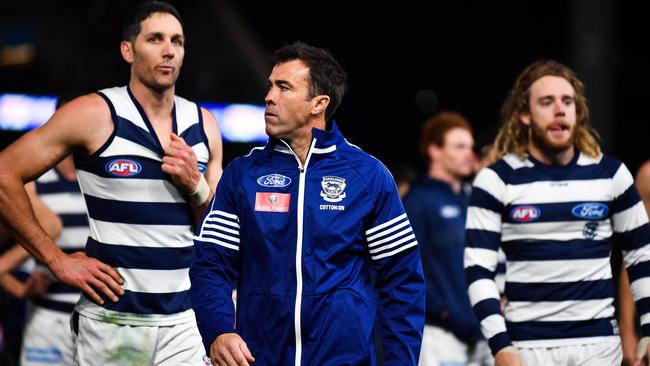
(131, 24)
(326, 76)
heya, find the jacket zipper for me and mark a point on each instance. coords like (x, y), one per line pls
(301, 207)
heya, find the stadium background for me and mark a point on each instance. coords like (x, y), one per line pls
(405, 60)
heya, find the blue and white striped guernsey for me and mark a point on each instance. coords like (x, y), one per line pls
(64, 198)
(556, 225)
(139, 222)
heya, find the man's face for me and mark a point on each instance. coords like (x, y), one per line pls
(456, 155)
(156, 54)
(288, 108)
(552, 114)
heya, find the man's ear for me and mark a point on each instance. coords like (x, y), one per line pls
(320, 103)
(433, 151)
(126, 49)
(524, 117)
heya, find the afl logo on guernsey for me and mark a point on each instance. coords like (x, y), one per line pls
(123, 167)
(590, 210)
(273, 180)
(525, 213)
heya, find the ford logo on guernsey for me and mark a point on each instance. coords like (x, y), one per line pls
(274, 180)
(123, 167)
(525, 213)
(590, 210)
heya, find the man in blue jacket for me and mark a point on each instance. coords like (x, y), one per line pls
(437, 206)
(299, 225)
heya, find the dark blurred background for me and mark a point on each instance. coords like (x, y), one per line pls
(405, 60)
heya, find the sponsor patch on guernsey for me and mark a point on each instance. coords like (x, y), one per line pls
(123, 167)
(202, 167)
(274, 180)
(590, 210)
(525, 213)
(272, 202)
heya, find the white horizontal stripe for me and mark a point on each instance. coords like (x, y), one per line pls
(500, 280)
(489, 181)
(222, 221)
(391, 253)
(493, 325)
(485, 258)
(65, 202)
(640, 288)
(67, 298)
(391, 238)
(48, 177)
(571, 270)
(388, 231)
(630, 219)
(219, 235)
(645, 319)
(121, 146)
(622, 180)
(73, 237)
(151, 236)
(482, 289)
(392, 245)
(324, 150)
(155, 281)
(599, 190)
(201, 152)
(517, 162)
(224, 214)
(220, 227)
(282, 149)
(560, 230)
(131, 189)
(557, 311)
(387, 223)
(218, 242)
(483, 219)
(585, 159)
(636, 256)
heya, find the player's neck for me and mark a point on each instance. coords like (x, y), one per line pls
(300, 142)
(547, 157)
(156, 103)
(436, 171)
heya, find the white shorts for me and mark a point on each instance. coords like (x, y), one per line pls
(47, 339)
(605, 353)
(107, 344)
(441, 348)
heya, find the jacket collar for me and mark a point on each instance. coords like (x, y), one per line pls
(326, 141)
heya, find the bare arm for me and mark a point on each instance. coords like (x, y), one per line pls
(181, 164)
(82, 124)
(214, 168)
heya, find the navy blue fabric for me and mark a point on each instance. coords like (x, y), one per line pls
(339, 302)
(442, 246)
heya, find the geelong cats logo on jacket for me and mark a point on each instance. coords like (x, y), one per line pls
(333, 188)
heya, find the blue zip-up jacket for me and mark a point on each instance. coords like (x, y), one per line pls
(301, 242)
(438, 214)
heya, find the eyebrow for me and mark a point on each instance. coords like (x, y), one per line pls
(551, 96)
(161, 34)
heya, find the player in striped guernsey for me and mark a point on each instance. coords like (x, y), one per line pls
(553, 202)
(147, 164)
(47, 337)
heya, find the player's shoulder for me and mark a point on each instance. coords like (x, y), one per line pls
(84, 109)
